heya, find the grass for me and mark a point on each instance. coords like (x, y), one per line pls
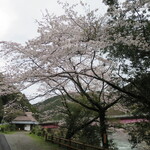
(47, 145)
(8, 132)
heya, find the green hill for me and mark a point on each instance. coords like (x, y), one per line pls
(49, 103)
(13, 105)
(49, 109)
(12, 102)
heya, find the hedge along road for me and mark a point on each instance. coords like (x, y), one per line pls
(22, 141)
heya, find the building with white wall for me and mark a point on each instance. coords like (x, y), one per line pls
(25, 122)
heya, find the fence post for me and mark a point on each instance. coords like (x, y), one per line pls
(84, 147)
(45, 137)
(52, 139)
(69, 142)
(59, 141)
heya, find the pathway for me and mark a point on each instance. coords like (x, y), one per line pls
(22, 141)
(3, 143)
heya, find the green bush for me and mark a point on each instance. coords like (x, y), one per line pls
(37, 130)
(7, 127)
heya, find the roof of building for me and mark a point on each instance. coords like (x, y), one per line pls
(26, 118)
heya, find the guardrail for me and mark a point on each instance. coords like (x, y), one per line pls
(70, 144)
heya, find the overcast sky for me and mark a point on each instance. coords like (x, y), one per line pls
(18, 18)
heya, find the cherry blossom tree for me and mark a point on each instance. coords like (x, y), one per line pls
(74, 53)
(88, 92)
(66, 57)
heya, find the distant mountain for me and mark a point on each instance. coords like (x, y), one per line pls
(49, 109)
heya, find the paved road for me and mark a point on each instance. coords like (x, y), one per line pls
(22, 141)
(3, 143)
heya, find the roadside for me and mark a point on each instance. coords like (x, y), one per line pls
(23, 141)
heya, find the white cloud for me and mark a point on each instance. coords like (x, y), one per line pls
(7, 17)
(18, 17)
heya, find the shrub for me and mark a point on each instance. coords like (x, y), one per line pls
(7, 127)
(37, 130)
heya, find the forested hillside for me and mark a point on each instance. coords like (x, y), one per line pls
(51, 109)
(12, 101)
(13, 105)
(48, 109)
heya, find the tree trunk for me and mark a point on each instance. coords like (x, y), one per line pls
(70, 133)
(103, 130)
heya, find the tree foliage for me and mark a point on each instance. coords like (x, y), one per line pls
(16, 105)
